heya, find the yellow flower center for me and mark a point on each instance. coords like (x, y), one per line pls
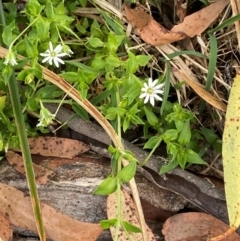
(53, 54)
(150, 91)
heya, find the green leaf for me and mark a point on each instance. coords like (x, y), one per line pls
(127, 172)
(80, 111)
(130, 228)
(107, 186)
(170, 135)
(83, 3)
(106, 224)
(188, 52)
(70, 76)
(128, 155)
(6, 73)
(126, 123)
(95, 29)
(182, 158)
(113, 61)
(30, 48)
(151, 117)
(95, 42)
(8, 34)
(46, 92)
(167, 82)
(193, 157)
(212, 61)
(132, 64)
(173, 149)
(185, 134)
(42, 28)
(143, 59)
(170, 166)
(114, 42)
(2, 102)
(33, 8)
(231, 154)
(114, 23)
(209, 134)
(32, 104)
(133, 92)
(112, 112)
(136, 120)
(98, 64)
(152, 142)
(225, 24)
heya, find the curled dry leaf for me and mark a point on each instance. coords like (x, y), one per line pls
(56, 146)
(195, 226)
(58, 226)
(5, 229)
(205, 95)
(155, 34)
(42, 174)
(129, 214)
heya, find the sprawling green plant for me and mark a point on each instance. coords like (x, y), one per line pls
(88, 53)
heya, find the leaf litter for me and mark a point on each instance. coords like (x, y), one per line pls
(59, 227)
(195, 226)
(155, 34)
(48, 147)
(129, 214)
(6, 232)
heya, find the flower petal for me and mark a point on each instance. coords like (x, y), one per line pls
(159, 86)
(150, 82)
(154, 83)
(50, 46)
(46, 59)
(61, 54)
(50, 61)
(59, 60)
(146, 99)
(152, 100)
(58, 49)
(143, 95)
(44, 54)
(159, 91)
(55, 61)
(157, 97)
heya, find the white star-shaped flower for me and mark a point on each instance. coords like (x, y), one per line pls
(10, 59)
(150, 91)
(53, 55)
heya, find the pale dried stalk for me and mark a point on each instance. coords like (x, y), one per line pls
(236, 10)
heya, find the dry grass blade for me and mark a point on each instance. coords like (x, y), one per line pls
(235, 4)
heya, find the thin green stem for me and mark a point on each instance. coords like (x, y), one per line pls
(10, 47)
(151, 152)
(119, 166)
(2, 21)
(21, 129)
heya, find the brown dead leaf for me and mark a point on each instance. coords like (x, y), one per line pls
(42, 174)
(155, 34)
(5, 229)
(58, 226)
(195, 226)
(56, 146)
(129, 214)
(205, 95)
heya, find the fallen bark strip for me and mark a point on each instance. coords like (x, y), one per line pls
(196, 190)
(70, 191)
